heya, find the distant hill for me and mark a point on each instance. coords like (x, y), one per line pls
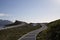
(15, 23)
(4, 22)
(19, 22)
(52, 33)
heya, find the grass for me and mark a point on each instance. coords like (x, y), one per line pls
(15, 33)
(52, 33)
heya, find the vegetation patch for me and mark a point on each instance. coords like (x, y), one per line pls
(17, 32)
(52, 33)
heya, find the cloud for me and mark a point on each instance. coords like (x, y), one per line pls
(3, 14)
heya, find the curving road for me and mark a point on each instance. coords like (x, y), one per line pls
(32, 35)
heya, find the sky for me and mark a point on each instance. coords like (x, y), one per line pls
(30, 10)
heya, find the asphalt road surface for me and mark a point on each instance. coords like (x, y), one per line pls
(12, 26)
(32, 35)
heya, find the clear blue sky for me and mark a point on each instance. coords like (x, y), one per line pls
(30, 10)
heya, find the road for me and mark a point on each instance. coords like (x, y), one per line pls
(12, 26)
(32, 35)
